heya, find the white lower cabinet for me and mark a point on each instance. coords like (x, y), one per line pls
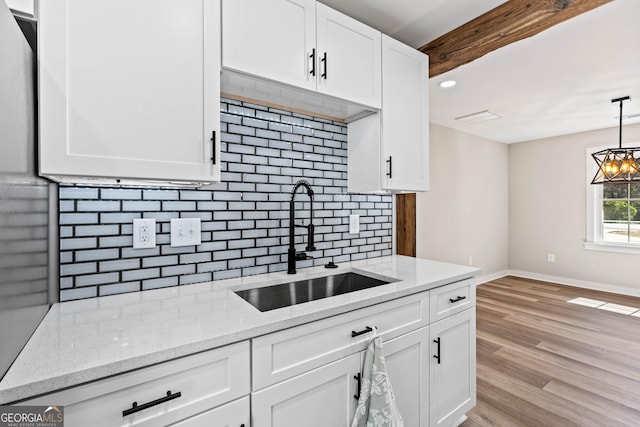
(179, 391)
(453, 368)
(307, 375)
(407, 360)
(319, 398)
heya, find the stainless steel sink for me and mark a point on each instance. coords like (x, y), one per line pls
(286, 294)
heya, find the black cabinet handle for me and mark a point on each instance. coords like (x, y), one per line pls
(437, 356)
(324, 61)
(362, 332)
(313, 62)
(213, 147)
(135, 407)
(357, 378)
(459, 298)
(389, 174)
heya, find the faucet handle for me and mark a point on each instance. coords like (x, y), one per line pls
(301, 256)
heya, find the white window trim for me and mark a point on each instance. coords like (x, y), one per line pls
(594, 216)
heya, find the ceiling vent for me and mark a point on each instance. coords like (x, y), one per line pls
(478, 117)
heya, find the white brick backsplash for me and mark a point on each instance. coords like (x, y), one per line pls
(147, 205)
(78, 293)
(164, 282)
(226, 274)
(145, 273)
(78, 268)
(119, 288)
(78, 218)
(212, 266)
(179, 206)
(120, 194)
(150, 194)
(188, 279)
(96, 279)
(244, 218)
(121, 218)
(96, 255)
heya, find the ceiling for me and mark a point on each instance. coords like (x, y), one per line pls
(558, 82)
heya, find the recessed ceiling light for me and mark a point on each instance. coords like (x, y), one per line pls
(481, 116)
(447, 83)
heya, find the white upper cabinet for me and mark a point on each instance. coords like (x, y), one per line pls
(272, 39)
(304, 44)
(129, 90)
(348, 57)
(405, 117)
(389, 151)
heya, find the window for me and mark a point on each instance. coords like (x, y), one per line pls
(621, 213)
(613, 214)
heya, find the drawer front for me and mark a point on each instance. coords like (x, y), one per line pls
(234, 414)
(204, 381)
(283, 354)
(451, 299)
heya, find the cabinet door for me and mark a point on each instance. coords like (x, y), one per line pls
(405, 117)
(234, 414)
(407, 359)
(349, 64)
(319, 398)
(273, 39)
(453, 372)
(129, 89)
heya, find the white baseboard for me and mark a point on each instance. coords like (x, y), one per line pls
(493, 276)
(570, 282)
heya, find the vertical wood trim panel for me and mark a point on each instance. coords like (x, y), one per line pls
(406, 224)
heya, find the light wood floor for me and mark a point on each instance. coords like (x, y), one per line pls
(545, 362)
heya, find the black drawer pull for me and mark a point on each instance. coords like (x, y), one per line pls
(135, 407)
(324, 61)
(459, 298)
(437, 356)
(362, 332)
(389, 162)
(213, 147)
(357, 378)
(312, 57)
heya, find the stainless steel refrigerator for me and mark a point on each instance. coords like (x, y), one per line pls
(28, 204)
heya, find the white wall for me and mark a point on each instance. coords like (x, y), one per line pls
(465, 214)
(547, 211)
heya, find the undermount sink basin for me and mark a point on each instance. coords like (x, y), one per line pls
(286, 294)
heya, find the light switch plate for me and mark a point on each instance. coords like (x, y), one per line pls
(354, 224)
(144, 233)
(185, 232)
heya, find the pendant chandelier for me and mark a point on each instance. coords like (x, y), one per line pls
(617, 165)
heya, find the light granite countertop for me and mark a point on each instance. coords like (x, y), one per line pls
(85, 340)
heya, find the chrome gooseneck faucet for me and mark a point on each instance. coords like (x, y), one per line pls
(292, 255)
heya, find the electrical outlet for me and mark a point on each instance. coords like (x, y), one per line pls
(470, 260)
(551, 258)
(354, 224)
(185, 232)
(144, 233)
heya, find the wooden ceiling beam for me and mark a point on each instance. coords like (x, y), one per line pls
(511, 21)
